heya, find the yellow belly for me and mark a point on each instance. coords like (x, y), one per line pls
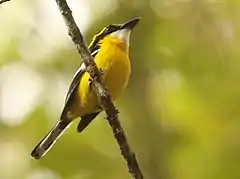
(114, 61)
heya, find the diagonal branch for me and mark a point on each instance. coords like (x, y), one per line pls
(3, 1)
(101, 90)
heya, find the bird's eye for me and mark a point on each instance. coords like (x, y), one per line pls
(108, 29)
(111, 28)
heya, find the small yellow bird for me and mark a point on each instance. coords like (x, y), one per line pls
(110, 50)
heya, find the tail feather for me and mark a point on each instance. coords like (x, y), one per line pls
(47, 142)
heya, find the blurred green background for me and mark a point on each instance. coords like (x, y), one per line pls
(180, 111)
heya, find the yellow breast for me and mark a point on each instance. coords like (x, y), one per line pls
(114, 61)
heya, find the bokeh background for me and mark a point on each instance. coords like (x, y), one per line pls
(180, 111)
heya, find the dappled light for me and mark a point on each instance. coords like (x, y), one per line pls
(180, 110)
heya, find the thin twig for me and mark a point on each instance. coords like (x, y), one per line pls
(101, 90)
(3, 1)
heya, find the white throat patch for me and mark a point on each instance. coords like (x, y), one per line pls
(123, 34)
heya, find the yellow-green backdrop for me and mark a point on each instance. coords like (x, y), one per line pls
(180, 111)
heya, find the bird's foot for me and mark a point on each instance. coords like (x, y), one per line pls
(101, 71)
(91, 80)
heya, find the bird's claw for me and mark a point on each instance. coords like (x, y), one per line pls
(101, 71)
(91, 80)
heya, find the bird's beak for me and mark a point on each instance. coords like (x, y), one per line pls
(130, 24)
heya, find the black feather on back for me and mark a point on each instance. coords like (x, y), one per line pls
(100, 35)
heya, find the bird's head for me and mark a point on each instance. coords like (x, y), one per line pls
(119, 31)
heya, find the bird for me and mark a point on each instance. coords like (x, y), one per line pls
(110, 51)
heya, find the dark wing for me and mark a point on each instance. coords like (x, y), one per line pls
(79, 73)
(74, 84)
(76, 79)
(85, 120)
